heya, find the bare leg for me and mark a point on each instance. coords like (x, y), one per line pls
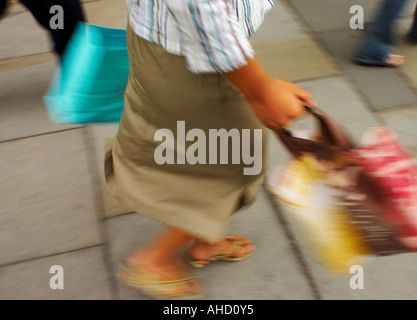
(161, 256)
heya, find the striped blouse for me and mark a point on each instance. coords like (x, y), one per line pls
(211, 34)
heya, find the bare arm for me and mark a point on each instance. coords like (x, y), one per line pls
(274, 101)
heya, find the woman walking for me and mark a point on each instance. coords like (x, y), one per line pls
(191, 62)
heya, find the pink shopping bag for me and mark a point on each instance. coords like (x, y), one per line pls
(390, 164)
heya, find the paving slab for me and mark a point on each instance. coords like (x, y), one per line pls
(100, 133)
(84, 278)
(106, 13)
(403, 121)
(294, 59)
(22, 107)
(272, 273)
(15, 7)
(382, 87)
(21, 35)
(323, 15)
(280, 23)
(413, 150)
(385, 278)
(46, 202)
(409, 69)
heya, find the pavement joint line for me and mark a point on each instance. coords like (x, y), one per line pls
(362, 97)
(406, 79)
(99, 208)
(355, 88)
(398, 108)
(119, 215)
(41, 134)
(295, 13)
(379, 114)
(25, 56)
(292, 240)
(49, 255)
(13, 14)
(330, 76)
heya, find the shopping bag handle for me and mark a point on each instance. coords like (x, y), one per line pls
(332, 141)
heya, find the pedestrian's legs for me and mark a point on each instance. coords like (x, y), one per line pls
(73, 14)
(159, 262)
(412, 35)
(3, 6)
(377, 45)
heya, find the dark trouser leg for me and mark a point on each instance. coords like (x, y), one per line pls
(73, 14)
(413, 31)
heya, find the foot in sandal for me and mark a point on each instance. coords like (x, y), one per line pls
(163, 280)
(231, 248)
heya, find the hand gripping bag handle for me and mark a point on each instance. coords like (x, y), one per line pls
(333, 139)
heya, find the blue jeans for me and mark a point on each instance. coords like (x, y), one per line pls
(381, 38)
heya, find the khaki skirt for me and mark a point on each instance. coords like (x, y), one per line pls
(161, 93)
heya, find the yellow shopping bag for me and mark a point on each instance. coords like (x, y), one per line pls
(303, 190)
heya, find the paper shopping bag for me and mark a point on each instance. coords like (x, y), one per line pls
(90, 83)
(301, 188)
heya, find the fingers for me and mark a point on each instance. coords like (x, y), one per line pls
(301, 94)
(308, 101)
(280, 103)
(304, 96)
(286, 123)
(297, 110)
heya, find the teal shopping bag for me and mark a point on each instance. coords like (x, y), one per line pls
(89, 85)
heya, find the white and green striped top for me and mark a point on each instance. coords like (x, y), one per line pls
(211, 34)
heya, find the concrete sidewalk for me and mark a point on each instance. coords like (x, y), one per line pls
(55, 209)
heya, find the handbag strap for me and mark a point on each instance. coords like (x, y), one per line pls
(332, 140)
